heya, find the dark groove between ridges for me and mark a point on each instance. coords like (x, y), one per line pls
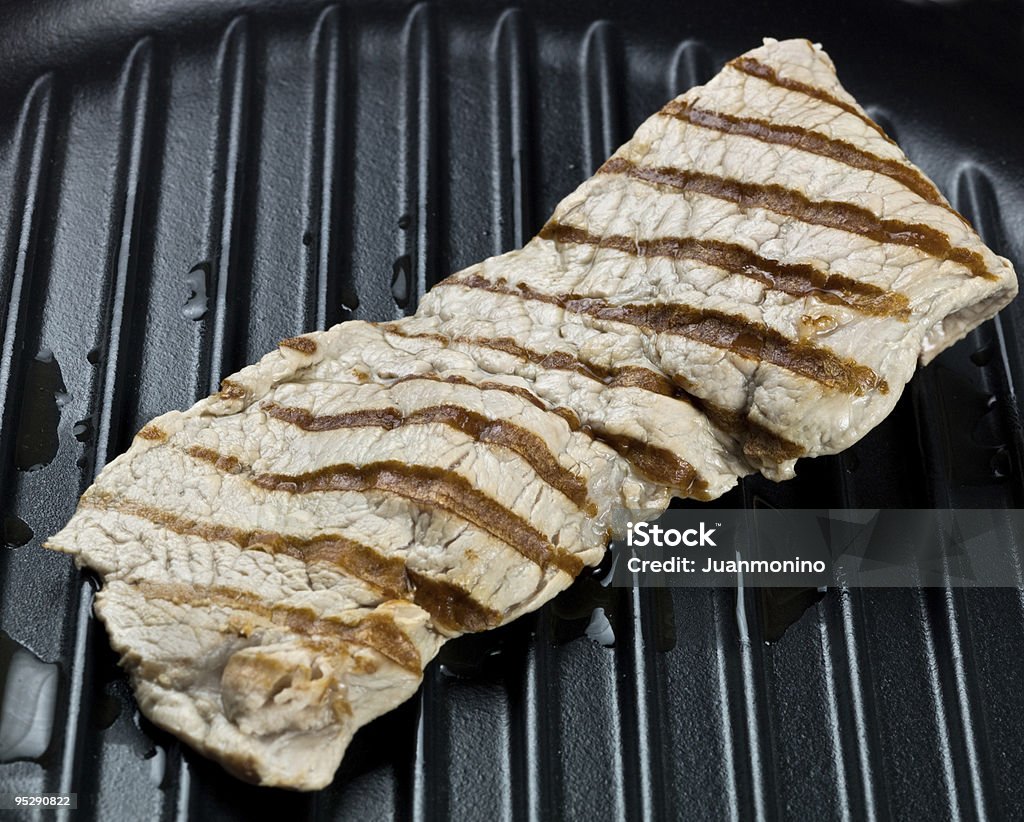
(756, 762)
(953, 731)
(430, 765)
(86, 634)
(35, 136)
(511, 132)
(937, 613)
(691, 66)
(418, 246)
(954, 664)
(973, 190)
(24, 270)
(530, 746)
(600, 62)
(830, 657)
(229, 285)
(642, 782)
(842, 631)
(117, 327)
(724, 640)
(328, 174)
(118, 324)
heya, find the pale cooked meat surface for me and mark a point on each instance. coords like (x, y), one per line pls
(751, 279)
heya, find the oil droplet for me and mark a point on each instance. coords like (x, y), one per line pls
(29, 698)
(42, 399)
(401, 277)
(195, 306)
(16, 532)
(818, 326)
(600, 629)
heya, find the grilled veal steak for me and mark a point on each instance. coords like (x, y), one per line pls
(751, 279)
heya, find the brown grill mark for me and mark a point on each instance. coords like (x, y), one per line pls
(827, 213)
(449, 605)
(567, 414)
(797, 279)
(759, 442)
(433, 488)
(747, 338)
(224, 462)
(763, 440)
(625, 376)
(659, 464)
(480, 428)
(755, 68)
(373, 630)
(807, 140)
(230, 390)
(303, 344)
(490, 385)
(153, 433)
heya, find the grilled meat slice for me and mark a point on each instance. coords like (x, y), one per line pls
(750, 280)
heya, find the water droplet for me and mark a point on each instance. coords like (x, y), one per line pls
(307, 238)
(600, 629)
(469, 655)
(107, 709)
(43, 397)
(195, 306)
(404, 222)
(349, 298)
(1002, 466)
(781, 608)
(401, 280)
(15, 531)
(983, 356)
(29, 698)
(605, 572)
(83, 430)
(157, 765)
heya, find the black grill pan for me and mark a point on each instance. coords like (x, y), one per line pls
(182, 184)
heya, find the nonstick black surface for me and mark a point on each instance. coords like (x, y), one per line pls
(184, 184)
